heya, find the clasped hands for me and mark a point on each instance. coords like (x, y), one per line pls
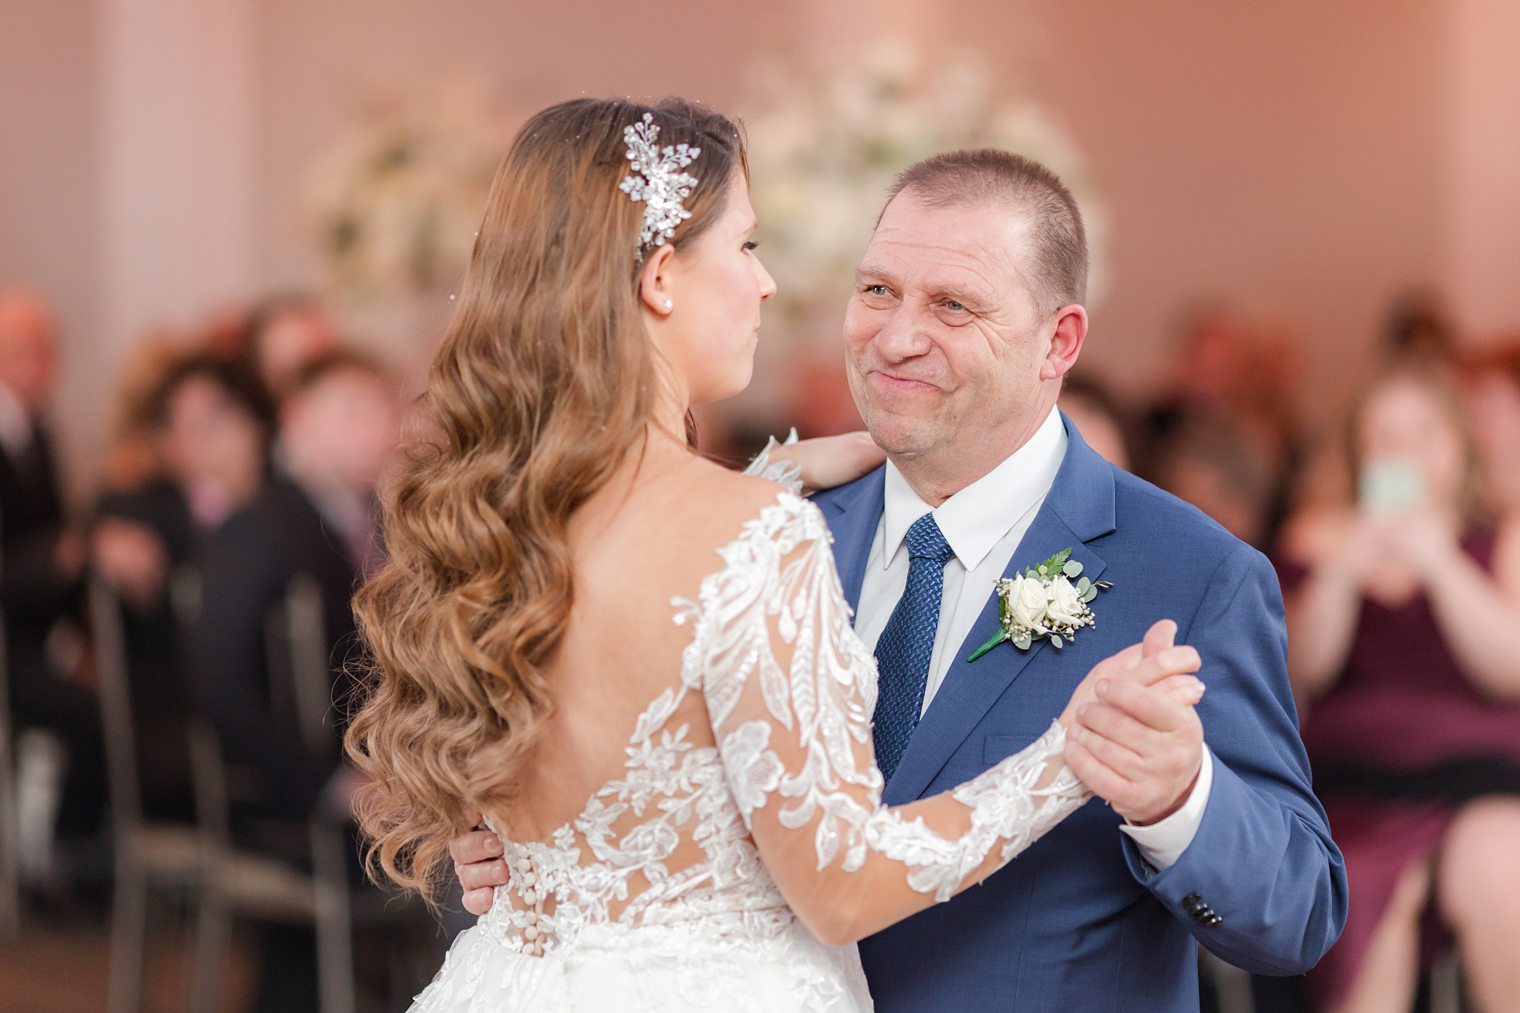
(1132, 732)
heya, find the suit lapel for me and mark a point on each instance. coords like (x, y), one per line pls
(853, 513)
(1078, 509)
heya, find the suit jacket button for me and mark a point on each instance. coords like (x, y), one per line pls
(1214, 921)
(1192, 902)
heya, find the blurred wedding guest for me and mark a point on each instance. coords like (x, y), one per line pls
(1404, 634)
(337, 429)
(1493, 403)
(41, 560)
(131, 456)
(1098, 416)
(1239, 374)
(1225, 469)
(1418, 326)
(282, 335)
(210, 424)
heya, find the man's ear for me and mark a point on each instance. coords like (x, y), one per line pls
(656, 281)
(1065, 342)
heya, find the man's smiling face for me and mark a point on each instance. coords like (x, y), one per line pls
(944, 335)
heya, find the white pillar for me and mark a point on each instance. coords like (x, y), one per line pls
(176, 176)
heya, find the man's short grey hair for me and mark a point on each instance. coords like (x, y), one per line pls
(987, 175)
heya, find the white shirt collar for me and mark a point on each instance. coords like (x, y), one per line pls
(976, 518)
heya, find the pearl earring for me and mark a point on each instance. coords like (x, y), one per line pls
(667, 305)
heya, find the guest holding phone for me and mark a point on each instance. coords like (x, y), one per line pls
(1404, 633)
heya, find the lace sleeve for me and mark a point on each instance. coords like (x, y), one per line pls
(785, 473)
(790, 691)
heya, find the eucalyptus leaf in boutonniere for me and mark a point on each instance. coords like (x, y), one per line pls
(1051, 600)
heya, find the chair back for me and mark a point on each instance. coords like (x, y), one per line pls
(10, 817)
(115, 695)
(208, 773)
(299, 661)
(10, 822)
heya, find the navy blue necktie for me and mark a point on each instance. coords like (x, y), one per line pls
(902, 652)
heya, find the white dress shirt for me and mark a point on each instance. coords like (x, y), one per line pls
(983, 524)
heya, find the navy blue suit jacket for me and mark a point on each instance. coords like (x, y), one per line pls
(1080, 921)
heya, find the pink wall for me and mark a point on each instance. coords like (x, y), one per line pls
(1480, 156)
(1311, 157)
(319, 62)
(49, 179)
(1284, 152)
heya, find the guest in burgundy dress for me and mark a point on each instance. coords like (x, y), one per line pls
(1404, 633)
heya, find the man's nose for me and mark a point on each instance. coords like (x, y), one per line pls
(902, 336)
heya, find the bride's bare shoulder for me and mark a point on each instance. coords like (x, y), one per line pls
(667, 537)
(717, 501)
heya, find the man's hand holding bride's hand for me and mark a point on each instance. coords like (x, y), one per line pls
(1136, 740)
(479, 867)
(827, 461)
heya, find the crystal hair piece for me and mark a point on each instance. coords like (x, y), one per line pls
(658, 181)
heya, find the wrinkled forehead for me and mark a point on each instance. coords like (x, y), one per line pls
(982, 245)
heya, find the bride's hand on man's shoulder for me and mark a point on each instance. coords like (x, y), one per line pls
(827, 461)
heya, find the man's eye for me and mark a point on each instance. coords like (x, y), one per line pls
(876, 290)
(954, 307)
(751, 245)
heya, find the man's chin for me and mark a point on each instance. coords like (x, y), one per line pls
(899, 437)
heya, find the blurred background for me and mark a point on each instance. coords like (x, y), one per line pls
(229, 233)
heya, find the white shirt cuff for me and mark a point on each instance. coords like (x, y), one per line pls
(1162, 843)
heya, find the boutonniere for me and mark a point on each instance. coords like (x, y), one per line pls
(1044, 602)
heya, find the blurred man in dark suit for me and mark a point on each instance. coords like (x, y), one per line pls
(314, 517)
(338, 426)
(41, 559)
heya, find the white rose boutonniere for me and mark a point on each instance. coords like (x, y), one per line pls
(1051, 600)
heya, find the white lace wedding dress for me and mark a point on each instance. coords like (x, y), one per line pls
(662, 895)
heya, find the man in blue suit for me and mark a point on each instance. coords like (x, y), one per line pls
(967, 313)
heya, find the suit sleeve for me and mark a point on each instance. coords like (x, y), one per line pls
(241, 583)
(1262, 884)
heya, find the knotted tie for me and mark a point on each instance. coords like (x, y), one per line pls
(907, 641)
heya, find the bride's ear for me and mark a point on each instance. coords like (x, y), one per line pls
(655, 281)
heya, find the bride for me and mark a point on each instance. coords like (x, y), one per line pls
(638, 664)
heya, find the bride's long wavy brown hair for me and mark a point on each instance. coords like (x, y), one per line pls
(542, 387)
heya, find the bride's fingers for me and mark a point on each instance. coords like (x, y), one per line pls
(1101, 779)
(1182, 660)
(482, 875)
(852, 455)
(478, 902)
(827, 461)
(1159, 637)
(475, 846)
(1117, 663)
(1186, 690)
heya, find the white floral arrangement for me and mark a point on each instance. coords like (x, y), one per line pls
(395, 200)
(1044, 602)
(825, 147)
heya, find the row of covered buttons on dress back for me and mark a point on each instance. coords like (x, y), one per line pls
(532, 896)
